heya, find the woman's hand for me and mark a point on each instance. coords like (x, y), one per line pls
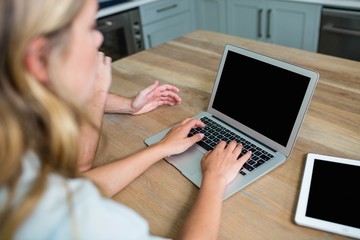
(222, 162)
(177, 140)
(103, 77)
(100, 88)
(154, 96)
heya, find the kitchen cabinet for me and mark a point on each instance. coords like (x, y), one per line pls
(210, 15)
(165, 20)
(285, 23)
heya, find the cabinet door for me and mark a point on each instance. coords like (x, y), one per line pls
(162, 9)
(294, 24)
(168, 29)
(281, 22)
(246, 18)
(210, 15)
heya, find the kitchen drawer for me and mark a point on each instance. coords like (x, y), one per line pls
(158, 10)
(163, 31)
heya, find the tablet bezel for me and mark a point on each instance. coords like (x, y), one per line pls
(300, 215)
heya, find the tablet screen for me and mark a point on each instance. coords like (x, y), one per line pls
(329, 196)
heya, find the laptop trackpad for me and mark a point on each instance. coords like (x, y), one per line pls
(188, 162)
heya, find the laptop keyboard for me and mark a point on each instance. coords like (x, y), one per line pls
(214, 132)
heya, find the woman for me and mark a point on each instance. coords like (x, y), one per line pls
(50, 69)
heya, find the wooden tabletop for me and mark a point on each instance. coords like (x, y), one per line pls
(265, 209)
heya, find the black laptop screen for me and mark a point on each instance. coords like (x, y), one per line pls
(261, 96)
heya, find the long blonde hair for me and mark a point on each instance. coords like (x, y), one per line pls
(33, 117)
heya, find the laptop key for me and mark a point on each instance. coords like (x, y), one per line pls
(205, 145)
(248, 167)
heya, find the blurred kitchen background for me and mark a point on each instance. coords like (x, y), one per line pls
(326, 26)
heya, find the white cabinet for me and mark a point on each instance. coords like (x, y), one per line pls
(281, 22)
(210, 15)
(165, 20)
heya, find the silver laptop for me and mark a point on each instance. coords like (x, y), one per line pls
(257, 100)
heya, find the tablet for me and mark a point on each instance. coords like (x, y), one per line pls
(329, 195)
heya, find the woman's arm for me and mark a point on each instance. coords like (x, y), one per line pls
(113, 177)
(219, 168)
(146, 100)
(89, 132)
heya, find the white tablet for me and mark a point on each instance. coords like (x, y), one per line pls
(329, 196)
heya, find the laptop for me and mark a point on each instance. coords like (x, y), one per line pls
(257, 100)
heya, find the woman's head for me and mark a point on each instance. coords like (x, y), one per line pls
(56, 43)
(47, 70)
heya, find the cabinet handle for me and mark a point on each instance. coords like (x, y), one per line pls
(149, 40)
(259, 23)
(268, 17)
(166, 8)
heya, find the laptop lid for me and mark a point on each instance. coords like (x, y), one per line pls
(262, 97)
(258, 96)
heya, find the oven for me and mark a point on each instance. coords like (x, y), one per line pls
(340, 33)
(122, 33)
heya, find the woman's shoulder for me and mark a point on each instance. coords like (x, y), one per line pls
(75, 208)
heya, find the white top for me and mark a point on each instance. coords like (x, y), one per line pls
(90, 215)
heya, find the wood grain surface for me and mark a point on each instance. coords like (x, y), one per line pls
(266, 208)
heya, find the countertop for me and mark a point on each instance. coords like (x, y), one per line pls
(351, 4)
(266, 208)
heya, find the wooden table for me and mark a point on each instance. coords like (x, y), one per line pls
(264, 209)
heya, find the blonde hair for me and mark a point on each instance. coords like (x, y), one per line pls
(33, 117)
